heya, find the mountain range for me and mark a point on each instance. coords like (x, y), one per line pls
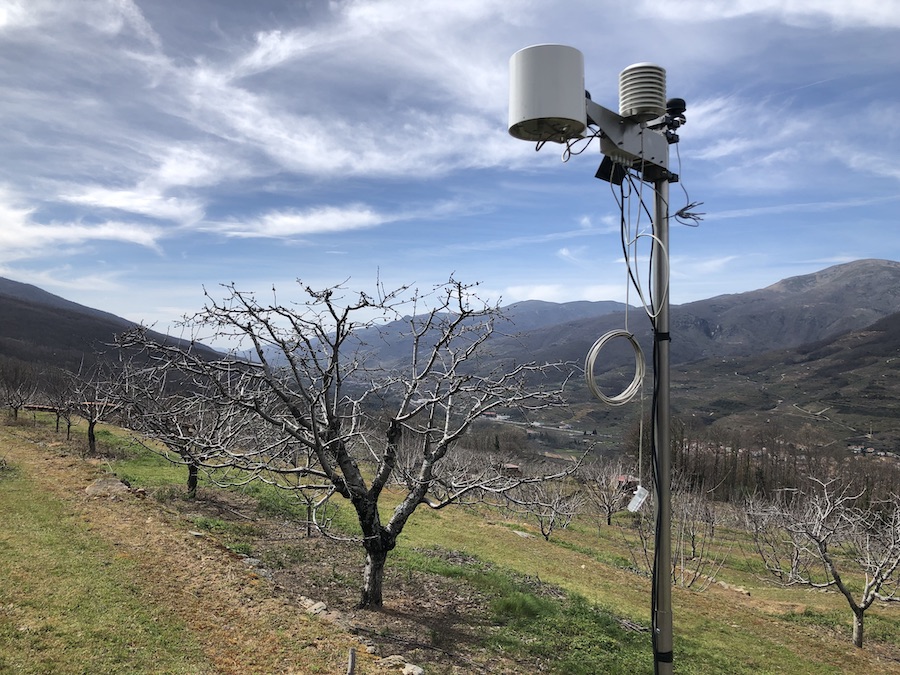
(37, 326)
(825, 340)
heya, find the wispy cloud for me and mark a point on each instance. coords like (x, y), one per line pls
(564, 292)
(572, 255)
(690, 267)
(67, 279)
(111, 17)
(874, 13)
(22, 236)
(292, 223)
(800, 207)
(148, 202)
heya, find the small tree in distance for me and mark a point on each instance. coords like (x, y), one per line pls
(608, 486)
(94, 396)
(553, 504)
(18, 383)
(309, 381)
(185, 420)
(56, 390)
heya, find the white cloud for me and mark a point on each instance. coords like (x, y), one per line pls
(193, 166)
(292, 223)
(690, 268)
(841, 13)
(147, 201)
(111, 17)
(574, 255)
(605, 224)
(800, 207)
(63, 279)
(564, 292)
(21, 236)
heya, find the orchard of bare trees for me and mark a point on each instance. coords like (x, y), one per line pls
(298, 402)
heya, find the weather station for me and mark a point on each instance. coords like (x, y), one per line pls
(548, 103)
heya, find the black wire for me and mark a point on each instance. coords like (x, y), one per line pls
(631, 179)
(570, 149)
(685, 215)
(623, 223)
(654, 455)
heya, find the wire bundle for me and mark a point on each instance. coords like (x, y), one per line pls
(639, 369)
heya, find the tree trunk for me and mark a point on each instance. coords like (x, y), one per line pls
(858, 615)
(92, 438)
(378, 541)
(193, 474)
(373, 577)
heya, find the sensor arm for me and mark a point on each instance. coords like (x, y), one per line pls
(628, 142)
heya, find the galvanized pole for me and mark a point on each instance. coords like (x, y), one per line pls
(662, 619)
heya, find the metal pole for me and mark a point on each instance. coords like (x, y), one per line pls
(662, 655)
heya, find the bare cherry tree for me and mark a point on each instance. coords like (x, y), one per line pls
(18, 383)
(553, 504)
(310, 377)
(697, 555)
(179, 420)
(608, 486)
(821, 537)
(56, 390)
(696, 560)
(94, 399)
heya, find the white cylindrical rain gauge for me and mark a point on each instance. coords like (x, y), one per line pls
(642, 92)
(546, 93)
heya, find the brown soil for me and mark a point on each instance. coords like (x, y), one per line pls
(251, 617)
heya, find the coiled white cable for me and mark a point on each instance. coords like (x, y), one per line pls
(639, 368)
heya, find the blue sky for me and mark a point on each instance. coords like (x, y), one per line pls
(152, 147)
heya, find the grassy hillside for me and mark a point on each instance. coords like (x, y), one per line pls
(467, 590)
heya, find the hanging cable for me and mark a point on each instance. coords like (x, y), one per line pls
(630, 241)
(572, 148)
(639, 369)
(686, 214)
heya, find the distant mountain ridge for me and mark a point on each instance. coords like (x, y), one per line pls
(532, 314)
(37, 326)
(795, 311)
(790, 313)
(816, 353)
(32, 295)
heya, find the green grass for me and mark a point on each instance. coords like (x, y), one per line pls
(813, 617)
(112, 442)
(232, 535)
(578, 638)
(566, 631)
(68, 604)
(284, 556)
(715, 631)
(877, 626)
(582, 632)
(144, 468)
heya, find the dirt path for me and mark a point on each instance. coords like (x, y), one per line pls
(243, 626)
